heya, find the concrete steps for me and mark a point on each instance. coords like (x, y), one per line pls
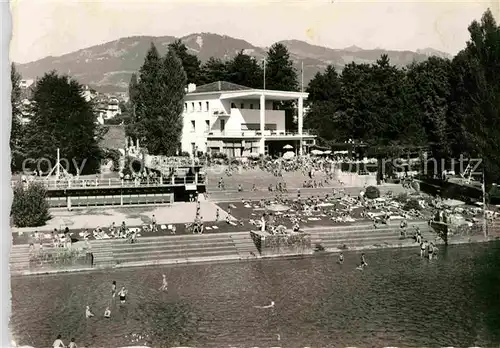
(164, 250)
(245, 246)
(366, 235)
(19, 258)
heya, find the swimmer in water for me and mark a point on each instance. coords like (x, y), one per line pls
(107, 313)
(423, 246)
(363, 261)
(88, 313)
(164, 284)
(113, 289)
(269, 306)
(341, 258)
(123, 295)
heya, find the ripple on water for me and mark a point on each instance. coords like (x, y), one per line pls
(399, 300)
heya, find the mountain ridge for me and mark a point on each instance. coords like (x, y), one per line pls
(108, 66)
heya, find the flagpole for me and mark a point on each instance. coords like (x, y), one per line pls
(302, 77)
(484, 207)
(264, 73)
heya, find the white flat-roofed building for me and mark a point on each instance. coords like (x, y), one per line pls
(239, 121)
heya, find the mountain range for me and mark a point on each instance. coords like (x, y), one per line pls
(109, 66)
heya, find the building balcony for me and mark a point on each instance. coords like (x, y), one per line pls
(255, 134)
(219, 113)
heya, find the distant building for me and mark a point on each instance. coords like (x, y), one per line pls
(107, 109)
(89, 93)
(26, 83)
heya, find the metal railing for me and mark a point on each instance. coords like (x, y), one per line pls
(254, 133)
(115, 182)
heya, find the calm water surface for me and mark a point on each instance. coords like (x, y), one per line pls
(399, 300)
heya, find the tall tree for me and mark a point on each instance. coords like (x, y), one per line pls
(323, 101)
(160, 100)
(214, 70)
(62, 118)
(281, 75)
(132, 88)
(16, 126)
(245, 70)
(190, 62)
(431, 80)
(475, 101)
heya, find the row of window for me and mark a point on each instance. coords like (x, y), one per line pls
(207, 126)
(198, 105)
(242, 106)
(205, 106)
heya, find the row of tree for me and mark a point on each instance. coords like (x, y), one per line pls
(451, 105)
(242, 69)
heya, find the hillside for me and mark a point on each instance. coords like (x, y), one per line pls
(108, 67)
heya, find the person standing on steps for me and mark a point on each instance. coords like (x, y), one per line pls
(154, 228)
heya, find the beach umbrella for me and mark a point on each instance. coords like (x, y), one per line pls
(327, 152)
(288, 147)
(316, 152)
(288, 155)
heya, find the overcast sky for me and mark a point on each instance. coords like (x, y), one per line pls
(54, 27)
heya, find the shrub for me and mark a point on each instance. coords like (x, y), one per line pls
(132, 165)
(412, 204)
(113, 155)
(29, 206)
(402, 197)
(372, 192)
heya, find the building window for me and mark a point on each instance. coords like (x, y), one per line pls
(185, 106)
(193, 126)
(251, 106)
(233, 106)
(207, 105)
(199, 106)
(207, 125)
(192, 106)
(242, 105)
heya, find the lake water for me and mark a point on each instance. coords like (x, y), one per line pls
(399, 300)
